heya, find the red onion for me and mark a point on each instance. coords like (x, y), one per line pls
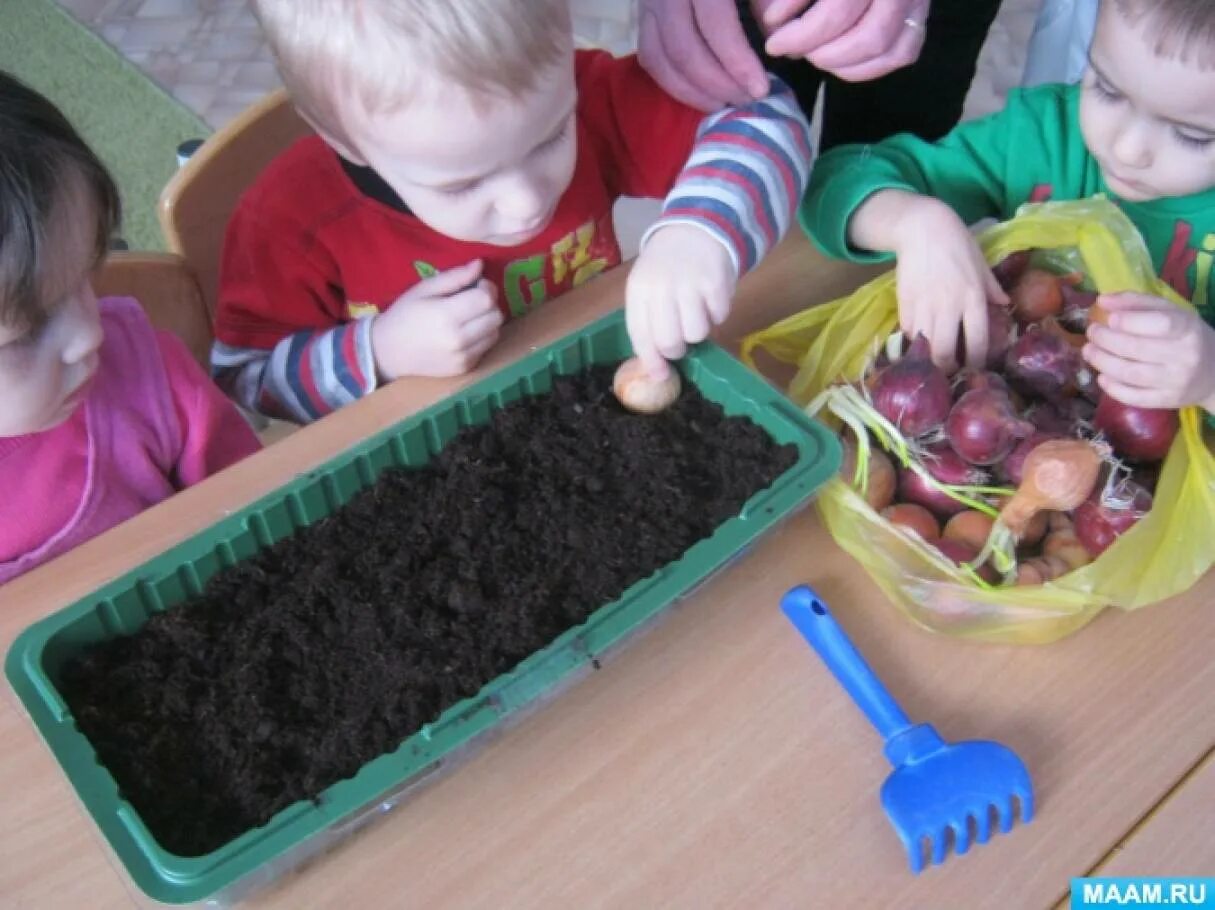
(1010, 268)
(1142, 434)
(1080, 410)
(1049, 418)
(983, 427)
(947, 466)
(912, 393)
(1001, 333)
(1011, 467)
(1063, 418)
(1100, 520)
(913, 488)
(1045, 365)
(1146, 475)
(969, 380)
(1076, 304)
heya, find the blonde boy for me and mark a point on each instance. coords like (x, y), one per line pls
(464, 172)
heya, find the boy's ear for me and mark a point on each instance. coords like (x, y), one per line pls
(333, 141)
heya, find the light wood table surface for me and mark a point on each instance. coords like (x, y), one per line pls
(715, 762)
(1177, 839)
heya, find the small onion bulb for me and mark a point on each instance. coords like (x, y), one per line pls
(643, 393)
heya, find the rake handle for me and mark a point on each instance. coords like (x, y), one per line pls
(807, 611)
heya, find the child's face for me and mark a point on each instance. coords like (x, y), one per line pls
(483, 169)
(1149, 120)
(45, 371)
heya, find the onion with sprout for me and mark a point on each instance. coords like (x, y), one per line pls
(912, 393)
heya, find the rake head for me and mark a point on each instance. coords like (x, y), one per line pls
(937, 789)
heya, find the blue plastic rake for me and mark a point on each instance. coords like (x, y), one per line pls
(935, 787)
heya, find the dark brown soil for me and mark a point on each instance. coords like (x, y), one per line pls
(328, 649)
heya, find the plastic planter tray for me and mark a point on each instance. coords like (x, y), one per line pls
(306, 828)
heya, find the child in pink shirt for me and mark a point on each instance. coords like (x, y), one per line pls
(102, 415)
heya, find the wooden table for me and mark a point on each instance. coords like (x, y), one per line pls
(714, 763)
(1177, 837)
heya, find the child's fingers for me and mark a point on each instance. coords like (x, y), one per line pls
(974, 325)
(1136, 396)
(637, 322)
(1130, 300)
(477, 328)
(694, 318)
(918, 316)
(991, 287)
(472, 303)
(913, 321)
(1122, 369)
(1154, 323)
(450, 282)
(475, 352)
(1142, 314)
(668, 331)
(1131, 347)
(718, 302)
(943, 341)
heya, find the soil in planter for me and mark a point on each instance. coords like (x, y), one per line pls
(301, 664)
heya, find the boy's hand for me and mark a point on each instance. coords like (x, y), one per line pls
(440, 327)
(944, 283)
(1153, 354)
(681, 286)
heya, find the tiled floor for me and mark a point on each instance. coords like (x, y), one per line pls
(210, 53)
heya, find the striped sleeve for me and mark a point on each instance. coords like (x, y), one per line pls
(304, 376)
(745, 176)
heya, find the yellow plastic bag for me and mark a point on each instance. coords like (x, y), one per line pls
(1162, 555)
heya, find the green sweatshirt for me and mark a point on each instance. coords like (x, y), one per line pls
(1029, 152)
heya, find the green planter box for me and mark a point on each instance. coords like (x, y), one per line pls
(306, 828)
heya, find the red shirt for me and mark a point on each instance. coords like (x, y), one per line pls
(306, 249)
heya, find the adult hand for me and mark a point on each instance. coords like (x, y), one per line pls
(697, 51)
(855, 40)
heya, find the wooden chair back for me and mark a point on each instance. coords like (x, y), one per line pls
(197, 202)
(168, 290)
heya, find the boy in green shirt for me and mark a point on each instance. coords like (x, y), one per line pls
(1140, 128)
